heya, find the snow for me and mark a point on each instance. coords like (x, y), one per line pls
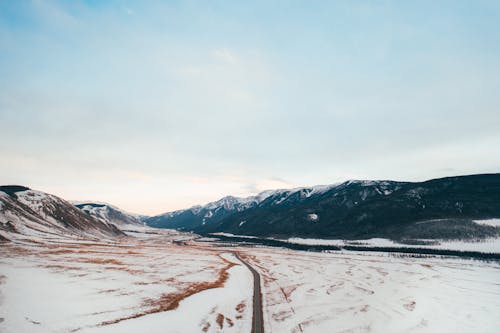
(242, 203)
(35, 219)
(491, 222)
(280, 200)
(33, 199)
(314, 241)
(64, 286)
(231, 235)
(312, 217)
(108, 214)
(89, 202)
(369, 292)
(489, 245)
(196, 309)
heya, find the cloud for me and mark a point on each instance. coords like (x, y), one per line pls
(224, 55)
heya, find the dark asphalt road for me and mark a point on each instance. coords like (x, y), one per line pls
(257, 322)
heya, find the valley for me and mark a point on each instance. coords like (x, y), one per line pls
(91, 267)
(168, 281)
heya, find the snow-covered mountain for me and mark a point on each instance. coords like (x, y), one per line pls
(29, 214)
(212, 212)
(442, 208)
(108, 214)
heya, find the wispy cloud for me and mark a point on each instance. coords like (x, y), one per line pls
(224, 55)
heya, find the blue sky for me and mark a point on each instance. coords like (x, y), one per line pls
(159, 105)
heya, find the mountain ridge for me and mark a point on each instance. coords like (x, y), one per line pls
(356, 209)
(108, 213)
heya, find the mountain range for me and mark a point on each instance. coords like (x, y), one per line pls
(442, 208)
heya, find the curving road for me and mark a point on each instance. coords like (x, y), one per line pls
(257, 321)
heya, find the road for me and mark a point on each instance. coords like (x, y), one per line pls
(257, 321)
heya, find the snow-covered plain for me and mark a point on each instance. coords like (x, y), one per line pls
(375, 292)
(145, 284)
(166, 281)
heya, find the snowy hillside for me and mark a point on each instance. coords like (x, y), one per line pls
(108, 214)
(26, 214)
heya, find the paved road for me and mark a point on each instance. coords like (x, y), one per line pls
(257, 322)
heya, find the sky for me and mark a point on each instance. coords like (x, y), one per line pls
(160, 105)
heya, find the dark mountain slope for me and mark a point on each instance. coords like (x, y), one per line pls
(439, 208)
(210, 213)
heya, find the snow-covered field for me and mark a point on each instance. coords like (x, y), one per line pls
(165, 281)
(376, 292)
(135, 285)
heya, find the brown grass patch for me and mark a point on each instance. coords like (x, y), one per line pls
(240, 308)
(101, 261)
(61, 267)
(220, 320)
(61, 251)
(125, 269)
(9, 251)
